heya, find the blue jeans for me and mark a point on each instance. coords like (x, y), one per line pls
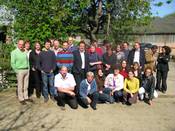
(116, 96)
(48, 84)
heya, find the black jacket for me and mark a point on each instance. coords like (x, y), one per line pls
(78, 62)
(33, 59)
(162, 62)
(141, 60)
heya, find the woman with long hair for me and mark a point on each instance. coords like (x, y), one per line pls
(162, 69)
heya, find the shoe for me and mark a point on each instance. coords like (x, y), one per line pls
(52, 98)
(150, 103)
(93, 107)
(23, 103)
(62, 108)
(30, 100)
(164, 92)
(46, 100)
(124, 103)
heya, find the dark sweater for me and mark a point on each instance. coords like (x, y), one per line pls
(47, 61)
(33, 59)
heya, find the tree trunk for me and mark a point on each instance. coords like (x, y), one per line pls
(108, 25)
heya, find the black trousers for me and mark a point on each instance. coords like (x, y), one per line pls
(35, 82)
(78, 78)
(64, 98)
(161, 78)
(94, 98)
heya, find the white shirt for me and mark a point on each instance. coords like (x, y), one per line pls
(137, 56)
(89, 87)
(82, 54)
(66, 82)
(57, 50)
(115, 83)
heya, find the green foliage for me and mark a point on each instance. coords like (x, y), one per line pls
(128, 15)
(5, 50)
(42, 19)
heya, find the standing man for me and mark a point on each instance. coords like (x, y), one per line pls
(151, 57)
(65, 57)
(65, 84)
(47, 64)
(109, 60)
(72, 47)
(27, 47)
(137, 55)
(126, 49)
(56, 47)
(80, 65)
(20, 64)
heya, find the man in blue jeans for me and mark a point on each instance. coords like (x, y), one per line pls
(47, 64)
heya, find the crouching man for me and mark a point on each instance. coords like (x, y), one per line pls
(88, 91)
(65, 84)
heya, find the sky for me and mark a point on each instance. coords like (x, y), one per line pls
(164, 10)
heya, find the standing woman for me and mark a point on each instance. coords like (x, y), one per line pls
(35, 74)
(119, 55)
(163, 68)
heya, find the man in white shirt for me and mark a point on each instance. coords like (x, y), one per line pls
(65, 84)
(137, 54)
(80, 64)
(114, 85)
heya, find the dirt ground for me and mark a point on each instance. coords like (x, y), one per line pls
(116, 117)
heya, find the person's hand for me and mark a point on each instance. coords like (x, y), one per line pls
(111, 93)
(33, 69)
(51, 71)
(88, 99)
(91, 64)
(71, 93)
(100, 92)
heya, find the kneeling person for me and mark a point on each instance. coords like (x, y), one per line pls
(114, 85)
(65, 84)
(88, 91)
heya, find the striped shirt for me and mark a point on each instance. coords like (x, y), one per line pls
(64, 58)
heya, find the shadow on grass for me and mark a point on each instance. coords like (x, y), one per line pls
(29, 118)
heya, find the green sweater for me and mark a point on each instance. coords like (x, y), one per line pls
(19, 60)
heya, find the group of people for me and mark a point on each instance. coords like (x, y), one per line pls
(72, 74)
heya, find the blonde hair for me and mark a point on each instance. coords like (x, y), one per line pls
(90, 74)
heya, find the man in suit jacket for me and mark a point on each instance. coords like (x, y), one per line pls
(80, 65)
(137, 54)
